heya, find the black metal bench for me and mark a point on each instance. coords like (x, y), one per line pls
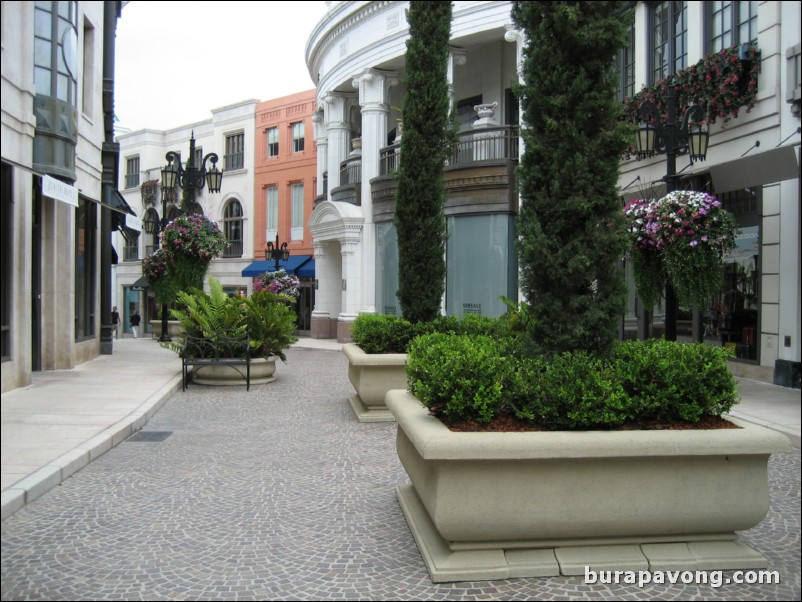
(217, 349)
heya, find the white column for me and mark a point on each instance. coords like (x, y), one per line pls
(351, 251)
(456, 57)
(373, 89)
(338, 132)
(327, 302)
(322, 144)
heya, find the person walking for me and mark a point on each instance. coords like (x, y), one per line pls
(115, 321)
(135, 320)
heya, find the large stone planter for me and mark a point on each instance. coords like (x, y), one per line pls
(262, 371)
(500, 505)
(373, 374)
(174, 329)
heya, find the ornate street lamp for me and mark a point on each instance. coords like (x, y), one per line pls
(690, 138)
(190, 179)
(277, 253)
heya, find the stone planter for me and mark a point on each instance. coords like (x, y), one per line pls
(174, 329)
(262, 371)
(373, 374)
(500, 505)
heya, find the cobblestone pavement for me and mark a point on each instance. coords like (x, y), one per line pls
(279, 493)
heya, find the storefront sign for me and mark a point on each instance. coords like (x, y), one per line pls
(56, 189)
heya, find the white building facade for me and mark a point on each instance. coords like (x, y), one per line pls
(59, 196)
(356, 57)
(229, 134)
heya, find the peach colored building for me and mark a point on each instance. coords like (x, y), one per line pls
(285, 164)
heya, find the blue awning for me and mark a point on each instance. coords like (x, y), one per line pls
(300, 265)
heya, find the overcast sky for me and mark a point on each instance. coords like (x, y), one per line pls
(176, 61)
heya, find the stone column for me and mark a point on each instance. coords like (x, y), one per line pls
(351, 251)
(517, 36)
(373, 89)
(339, 134)
(326, 302)
(456, 56)
(322, 144)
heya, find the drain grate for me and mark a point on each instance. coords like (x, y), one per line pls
(149, 436)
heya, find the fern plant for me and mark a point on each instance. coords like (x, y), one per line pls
(267, 318)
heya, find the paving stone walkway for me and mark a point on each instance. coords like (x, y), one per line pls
(279, 493)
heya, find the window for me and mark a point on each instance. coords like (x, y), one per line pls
(85, 257)
(232, 228)
(669, 38)
(132, 172)
(297, 199)
(235, 151)
(131, 248)
(56, 50)
(730, 24)
(272, 142)
(88, 73)
(271, 205)
(152, 220)
(197, 159)
(298, 137)
(626, 67)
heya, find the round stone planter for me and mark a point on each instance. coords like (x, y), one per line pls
(372, 375)
(262, 371)
(174, 329)
(499, 505)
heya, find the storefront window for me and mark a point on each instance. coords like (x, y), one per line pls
(481, 264)
(387, 269)
(732, 315)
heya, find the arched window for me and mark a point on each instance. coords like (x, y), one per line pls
(232, 228)
(152, 224)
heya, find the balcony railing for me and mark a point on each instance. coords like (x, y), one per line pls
(476, 146)
(131, 253)
(235, 161)
(351, 171)
(132, 180)
(233, 249)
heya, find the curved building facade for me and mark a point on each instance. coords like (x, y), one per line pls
(356, 56)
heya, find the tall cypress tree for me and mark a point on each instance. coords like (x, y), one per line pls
(570, 225)
(419, 217)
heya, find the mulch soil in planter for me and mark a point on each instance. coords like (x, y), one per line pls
(511, 424)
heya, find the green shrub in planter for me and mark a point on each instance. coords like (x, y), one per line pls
(459, 377)
(672, 381)
(572, 390)
(375, 333)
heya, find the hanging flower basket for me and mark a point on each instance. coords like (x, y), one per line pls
(189, 243)
(278, 282)
(150, 192)
(680, 239)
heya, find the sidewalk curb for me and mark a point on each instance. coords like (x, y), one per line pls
(26, 490)
(794, 438)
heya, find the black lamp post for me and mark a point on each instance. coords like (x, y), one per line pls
(277, 253)
(654, 138)
(190, 179)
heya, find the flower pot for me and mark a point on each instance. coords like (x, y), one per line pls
(262, 371)
(498, 505)
(372, 375)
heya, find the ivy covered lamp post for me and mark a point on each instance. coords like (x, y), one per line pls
(184, 251)
(658, 137)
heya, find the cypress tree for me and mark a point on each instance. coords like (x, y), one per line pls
(571, 234)
(419, 218)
